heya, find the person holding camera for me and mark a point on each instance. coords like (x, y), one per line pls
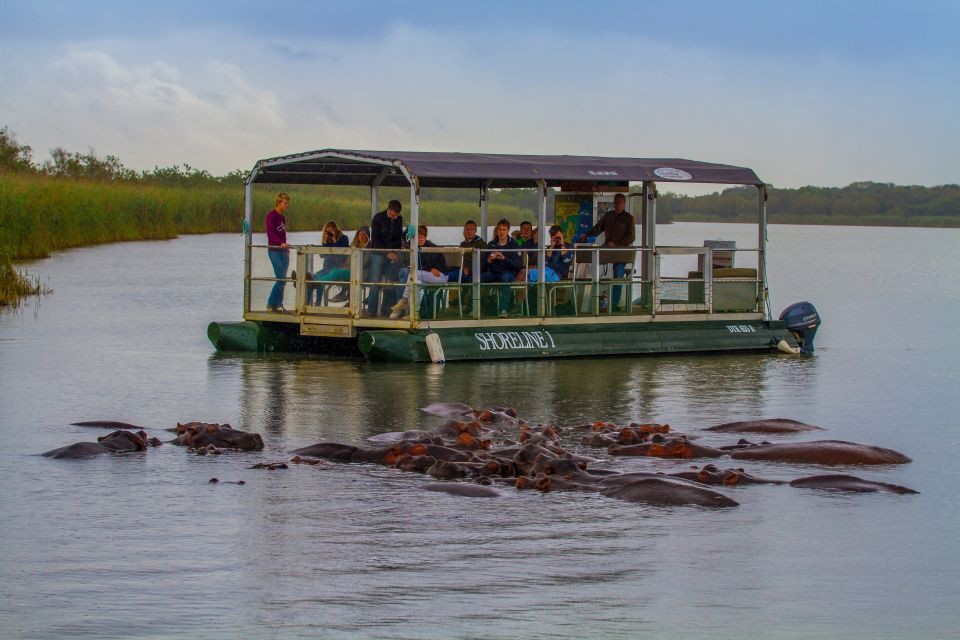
(502, 263)
(559, 256)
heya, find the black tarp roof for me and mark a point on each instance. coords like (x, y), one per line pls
(467, 170)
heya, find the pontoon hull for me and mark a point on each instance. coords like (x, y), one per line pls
(507, 342)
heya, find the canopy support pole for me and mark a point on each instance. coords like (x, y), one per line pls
(648, 230)
(763, 294)
(248, 242)
(414, 248)
(484, 198)
(542, 251)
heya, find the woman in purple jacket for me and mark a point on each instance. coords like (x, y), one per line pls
(278, 251)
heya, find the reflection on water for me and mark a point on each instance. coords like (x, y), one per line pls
(142, 545)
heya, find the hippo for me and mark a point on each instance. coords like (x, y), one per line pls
(119, 441)
(666, 491)
(463, 489)
(270, 466)
(399, 436)
(822, 452)
(843, 482)
(543, 482)
(772, 425)
(598, 441)
(421, 464)
(108, 424)
(710, 474)
(197, 435)
(450, 410)
(328, 451)
(666, 448)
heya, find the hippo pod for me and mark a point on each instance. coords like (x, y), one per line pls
(843, 482)
(116, 442)
(773, 425)
(666, 447)
(203, 436)
(822, 452)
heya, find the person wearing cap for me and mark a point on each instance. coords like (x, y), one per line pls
(619, 230)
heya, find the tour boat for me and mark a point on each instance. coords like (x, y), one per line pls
(709, 305)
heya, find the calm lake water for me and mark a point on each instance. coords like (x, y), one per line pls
(140, 545)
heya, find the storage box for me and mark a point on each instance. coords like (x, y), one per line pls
(722, 253)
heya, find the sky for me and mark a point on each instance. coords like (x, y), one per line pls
(816, 92)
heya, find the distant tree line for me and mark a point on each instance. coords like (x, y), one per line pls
(18, 158)
(860, 203)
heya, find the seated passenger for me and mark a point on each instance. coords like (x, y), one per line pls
(342, 273)
(332, 237)
(559, 258)
(525, 235)
(470, 241)
(431, 269)
(503, 263)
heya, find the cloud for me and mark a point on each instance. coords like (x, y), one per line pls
(209, 98)
(300, 53)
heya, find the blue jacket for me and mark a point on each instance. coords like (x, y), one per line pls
(511, 260)
(560, 262)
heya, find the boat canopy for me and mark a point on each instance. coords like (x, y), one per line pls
(469, 170)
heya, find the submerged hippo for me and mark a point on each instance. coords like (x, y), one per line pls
(711, 474)
(773, 425)
(202, 435)
(844, 482)
(822, 452)
(667, 491)
(661, 447)
(107, 424)
(464, 489)
(117, 442)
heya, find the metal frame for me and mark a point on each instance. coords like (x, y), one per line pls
(649, 261)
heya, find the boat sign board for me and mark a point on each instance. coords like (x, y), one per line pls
(504, 340)
(669, 173)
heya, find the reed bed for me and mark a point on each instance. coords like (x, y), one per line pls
(15, 284)
(40, 214)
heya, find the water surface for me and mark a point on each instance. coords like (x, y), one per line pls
(140, 545)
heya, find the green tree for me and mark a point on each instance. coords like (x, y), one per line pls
(14, 156)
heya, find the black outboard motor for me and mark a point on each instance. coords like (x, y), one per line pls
(802, 321)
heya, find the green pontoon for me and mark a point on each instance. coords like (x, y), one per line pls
(709, 305)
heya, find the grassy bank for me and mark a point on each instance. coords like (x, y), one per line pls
(40, 214)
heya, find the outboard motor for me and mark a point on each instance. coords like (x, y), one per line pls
(802, 321)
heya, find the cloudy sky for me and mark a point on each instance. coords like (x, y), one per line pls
(813, 92)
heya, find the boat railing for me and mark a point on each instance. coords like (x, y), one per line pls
(365, 284)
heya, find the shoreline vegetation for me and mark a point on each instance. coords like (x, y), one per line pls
(81, 199)
(15, 285)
